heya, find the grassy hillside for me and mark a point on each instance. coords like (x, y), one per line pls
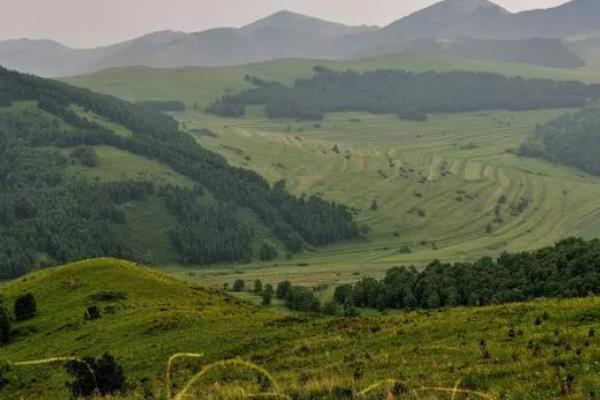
(501, 351)
(202, 85)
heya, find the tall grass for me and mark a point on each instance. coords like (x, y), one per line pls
(385, 386)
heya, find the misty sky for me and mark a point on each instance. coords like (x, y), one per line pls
(86, 23)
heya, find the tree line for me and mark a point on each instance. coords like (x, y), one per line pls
(409, 95)
(571, 268)
(572, 139)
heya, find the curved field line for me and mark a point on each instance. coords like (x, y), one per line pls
(219, 364)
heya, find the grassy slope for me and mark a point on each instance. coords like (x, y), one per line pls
(161, 316)
(562, 201)
(202, 85)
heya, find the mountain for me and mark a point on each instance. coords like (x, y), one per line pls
(477, 19)
(544, 52)
(290, 35)
(85, 175)
(281, 35)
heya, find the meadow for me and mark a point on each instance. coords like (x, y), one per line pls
(448, 188)
(538, 350)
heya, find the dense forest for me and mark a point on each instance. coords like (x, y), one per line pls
(408, 95)
(571, 268)
(48, 219)
(573, 139)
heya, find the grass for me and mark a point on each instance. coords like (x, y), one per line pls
(454, 168)
(116, 165)
(425, 353)
(202, 85)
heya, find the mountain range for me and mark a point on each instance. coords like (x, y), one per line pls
(460, 24)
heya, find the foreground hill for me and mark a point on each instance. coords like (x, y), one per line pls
(543, 349)
(290, 35)
(88, 175)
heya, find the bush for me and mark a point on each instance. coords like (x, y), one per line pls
(86, 155)
(238, 285)
(92, 313)
(267, 295)
(108, 373)
(25, 307)
(4, 326)
(282, 289)
(258, 286)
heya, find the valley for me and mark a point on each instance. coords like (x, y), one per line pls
(453, 168)
(289, 208)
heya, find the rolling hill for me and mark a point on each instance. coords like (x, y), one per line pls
(527, 350)
(87, 175)
(289, 35)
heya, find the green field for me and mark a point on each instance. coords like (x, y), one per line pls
(202, 85)
(454, 168)
(437, 184)
(426, 354)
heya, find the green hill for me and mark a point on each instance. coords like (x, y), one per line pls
(86, 175)
(202, 85)
(543, 349)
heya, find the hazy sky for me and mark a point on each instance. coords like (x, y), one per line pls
(85, 23)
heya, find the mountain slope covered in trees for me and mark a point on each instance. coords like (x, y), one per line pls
(48, 215)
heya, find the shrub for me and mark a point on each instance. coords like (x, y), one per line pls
(282, 289)
(91, 313)
(108, 373)
(238, 285)
(25, 307)
(258, 286)
(330, 308)
(86, 155)
(4, 325)
(267, 295)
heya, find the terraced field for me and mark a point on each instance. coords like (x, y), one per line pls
(445, 189)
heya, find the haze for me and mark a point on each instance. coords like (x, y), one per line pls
(88, 23)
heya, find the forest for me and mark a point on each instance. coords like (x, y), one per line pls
(408, 95)
(571, 268)
(43, 215)
(573, 139)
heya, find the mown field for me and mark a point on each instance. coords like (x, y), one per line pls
(438, 186)
(445, 189)
(540, 350)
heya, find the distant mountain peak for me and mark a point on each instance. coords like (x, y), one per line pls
(303, 23)
(448, 9)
